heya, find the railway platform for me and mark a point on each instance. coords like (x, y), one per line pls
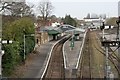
(72, 56)
(34, 69)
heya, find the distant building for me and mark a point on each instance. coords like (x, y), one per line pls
(88, 16)
(91, 16)
(55, 24)
(102, 16)
(94, 22)
(119, 8)
(94, 16)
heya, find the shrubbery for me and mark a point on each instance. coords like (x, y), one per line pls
(14, 52)
(69, 20)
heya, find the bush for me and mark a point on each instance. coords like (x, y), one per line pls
(14, 52)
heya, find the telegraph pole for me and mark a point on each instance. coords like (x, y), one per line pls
(103, 30)
(0, 46)
(102, 27)
(106, 46)
(107, 63)
(118, 39)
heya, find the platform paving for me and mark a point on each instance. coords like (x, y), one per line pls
(35, 68)
(71, 56)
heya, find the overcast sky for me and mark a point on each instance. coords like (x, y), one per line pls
(80, 8)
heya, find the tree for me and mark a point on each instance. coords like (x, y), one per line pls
(69, 20)
(5, 6)
(45, 8)
(14, 52)
(15, 8)
(111, 21)
(21, 8)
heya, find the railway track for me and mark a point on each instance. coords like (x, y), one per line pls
(86, 69)
(85, 64)
(112, 57)
(55, 69)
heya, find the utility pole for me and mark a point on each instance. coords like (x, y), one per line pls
(118, 39)
(106, 46)
(107, 63)
(102, 27)
(1, 53)
(103, 31)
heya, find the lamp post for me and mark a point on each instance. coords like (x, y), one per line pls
(24, 56)
(2, 53)
(72, 41)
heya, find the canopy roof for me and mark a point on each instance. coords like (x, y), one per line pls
(63, 28)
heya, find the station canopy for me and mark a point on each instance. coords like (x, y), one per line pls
(76, 31)
(53, 30)
(63, 28)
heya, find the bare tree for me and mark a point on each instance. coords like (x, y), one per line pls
(20, 8)
(16, 8)
(5, 6)
(45, 8)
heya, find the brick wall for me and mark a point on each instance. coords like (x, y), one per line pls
(42, 38)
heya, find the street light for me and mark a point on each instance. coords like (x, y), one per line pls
(24, 56)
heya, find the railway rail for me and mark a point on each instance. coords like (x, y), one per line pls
(85, 63)
(112, 57)
(85, 66)
(55, 68)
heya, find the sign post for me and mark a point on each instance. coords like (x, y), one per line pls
(2, 53)
(24, 55)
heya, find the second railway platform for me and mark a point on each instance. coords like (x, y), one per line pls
(72, 55)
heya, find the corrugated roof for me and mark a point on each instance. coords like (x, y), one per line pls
(61, 29)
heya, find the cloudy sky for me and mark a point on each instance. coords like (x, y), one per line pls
(80, 8)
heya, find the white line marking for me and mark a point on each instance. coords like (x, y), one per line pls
(49, 58)
(81, 50)
(65, 62)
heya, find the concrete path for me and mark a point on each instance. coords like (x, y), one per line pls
(35, 67)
